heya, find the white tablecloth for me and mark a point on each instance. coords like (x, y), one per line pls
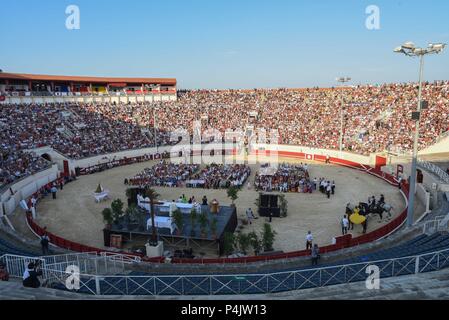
(161, 222)
(101, 196)
(165, 206)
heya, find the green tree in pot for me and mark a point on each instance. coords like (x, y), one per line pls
(232, 193)
(107, 217)
(132, 216)
(228, 243)
(152, 195)
(117, 211)
(193, 220)
(178, 219)
(244, 241)
(255, 242)
(268, 235)
(204, 222)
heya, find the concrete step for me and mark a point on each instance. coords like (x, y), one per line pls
(433, 285)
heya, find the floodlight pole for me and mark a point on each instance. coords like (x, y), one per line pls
(412, 186)
(343, 81)
(154, 129)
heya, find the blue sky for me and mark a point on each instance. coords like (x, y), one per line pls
(225, 44)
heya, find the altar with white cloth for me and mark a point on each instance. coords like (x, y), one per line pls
(101, 196)
(162, 222)
(164, 206)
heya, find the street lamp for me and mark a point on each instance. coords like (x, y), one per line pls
(409, 49)
(342, 80)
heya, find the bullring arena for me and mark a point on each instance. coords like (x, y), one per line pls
(85, 152)
(74, 215)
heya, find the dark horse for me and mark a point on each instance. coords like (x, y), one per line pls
(378, 209)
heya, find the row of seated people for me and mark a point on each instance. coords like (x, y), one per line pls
(287, 178)
(376, 118)
(219, 176)
(164, 174)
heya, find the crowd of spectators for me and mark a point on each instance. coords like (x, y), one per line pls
(376, 118)
(16, 165)
(164, 174)
(287, 178)
(218, 176)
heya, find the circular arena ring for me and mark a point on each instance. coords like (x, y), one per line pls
(341, 242)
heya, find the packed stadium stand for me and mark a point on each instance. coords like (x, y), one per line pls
(376, 119)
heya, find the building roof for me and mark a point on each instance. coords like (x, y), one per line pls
(38, 77)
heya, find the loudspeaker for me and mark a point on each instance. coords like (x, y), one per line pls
(273, 201)
(264, 200)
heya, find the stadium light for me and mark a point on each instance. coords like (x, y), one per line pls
(342, 80)
(409, 49)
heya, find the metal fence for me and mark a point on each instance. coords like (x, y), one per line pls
(440, 173)
(233, 284)
(440, 223)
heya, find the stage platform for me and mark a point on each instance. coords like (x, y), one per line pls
(226, 222)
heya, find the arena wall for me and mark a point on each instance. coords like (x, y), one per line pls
(24, 188)
(341, 242)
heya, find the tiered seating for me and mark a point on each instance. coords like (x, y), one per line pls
(8, 246)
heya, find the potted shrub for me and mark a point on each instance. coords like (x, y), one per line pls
(232, 193)
(244, 241)
(228, 243)
(193, 218)
(117, 211)
(107, 217)
(152, 195)
(268, 235)
(178, 219)
(132, 215)
(203, 221)
(255, 242)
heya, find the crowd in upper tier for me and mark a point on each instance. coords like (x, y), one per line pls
(376, 118)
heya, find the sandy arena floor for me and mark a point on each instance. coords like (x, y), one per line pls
(75, 216)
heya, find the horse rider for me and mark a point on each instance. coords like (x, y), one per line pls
(382, 199)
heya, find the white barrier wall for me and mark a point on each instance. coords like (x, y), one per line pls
(368, 160)
(424, 197)
(25, 188)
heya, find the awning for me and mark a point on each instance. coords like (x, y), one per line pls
(117, 85)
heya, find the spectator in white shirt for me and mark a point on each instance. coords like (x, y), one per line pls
(344, 225)
(309, 240)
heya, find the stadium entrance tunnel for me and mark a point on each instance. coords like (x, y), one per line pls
(47, 157)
